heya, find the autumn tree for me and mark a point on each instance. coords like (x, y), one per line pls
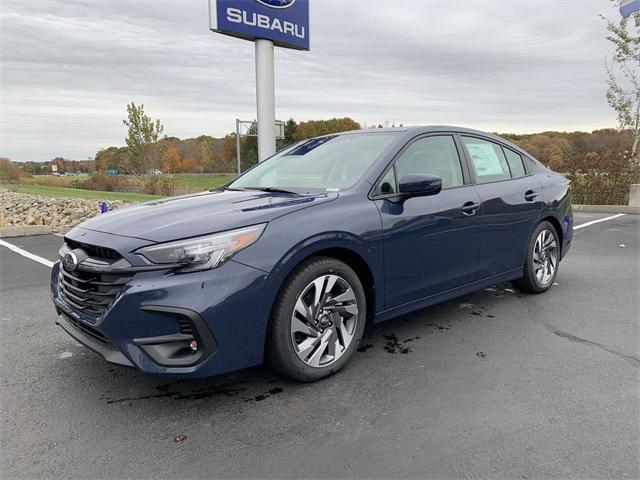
(143, 132)
(290, 128)
(9, 172)
(205, 154)
(305, 130)
(189, 164)
(552, 151)
(229, 151)
(249, 147)
(60, 163)
(112, 157)
(313, 128)
(623, 75)
(30, 167)
(171, 160)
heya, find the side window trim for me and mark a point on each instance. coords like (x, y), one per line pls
(523, 159)
(464, 161)
(378, 184)
(466, 177)
(529, 165)
(504, 154)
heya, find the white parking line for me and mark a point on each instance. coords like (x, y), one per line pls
(24, 253)
(577, 227)
(49, 264)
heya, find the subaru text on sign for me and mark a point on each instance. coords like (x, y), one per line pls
(285, 22)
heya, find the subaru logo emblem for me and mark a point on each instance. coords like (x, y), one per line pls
(70, 261)
(276, 3)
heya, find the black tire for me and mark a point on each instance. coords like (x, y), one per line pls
(530, 282)
(280, 351)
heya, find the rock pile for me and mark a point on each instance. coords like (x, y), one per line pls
(60, 214)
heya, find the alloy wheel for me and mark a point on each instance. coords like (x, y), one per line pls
(324, 320)
(545, 257)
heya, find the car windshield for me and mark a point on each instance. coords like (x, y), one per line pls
(333, 162)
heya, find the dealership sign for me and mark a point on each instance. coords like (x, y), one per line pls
(627, 7)
(285, 22)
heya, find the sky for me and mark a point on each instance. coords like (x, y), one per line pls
(68, 68)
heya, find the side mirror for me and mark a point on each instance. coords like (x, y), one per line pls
(419, 184)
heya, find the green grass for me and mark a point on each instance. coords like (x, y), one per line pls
(201, 181)
(183, 180)
(78, 193)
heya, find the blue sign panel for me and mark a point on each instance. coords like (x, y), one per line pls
(285, 22)
(627, 7)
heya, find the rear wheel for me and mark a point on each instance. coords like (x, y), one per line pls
(543, 258)
(317, 320)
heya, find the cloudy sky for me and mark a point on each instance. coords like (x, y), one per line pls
(69, 67)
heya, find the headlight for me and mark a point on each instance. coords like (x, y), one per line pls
(203, 253)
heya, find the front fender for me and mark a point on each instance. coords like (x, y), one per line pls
(348, 224)
(328, 243)
(335, 243)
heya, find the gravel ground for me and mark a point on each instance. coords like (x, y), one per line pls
(61, 214)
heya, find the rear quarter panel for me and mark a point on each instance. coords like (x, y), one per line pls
(556, 193)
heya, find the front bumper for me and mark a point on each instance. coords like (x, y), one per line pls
(79, 333)
(148, 324)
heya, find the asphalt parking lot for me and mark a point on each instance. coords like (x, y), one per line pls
(494, 384)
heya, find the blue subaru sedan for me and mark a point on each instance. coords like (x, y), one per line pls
(291, 260)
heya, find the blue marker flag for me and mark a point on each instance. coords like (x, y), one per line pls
(627, 7)
(104, 208)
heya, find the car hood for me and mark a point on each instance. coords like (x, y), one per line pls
(208, 212)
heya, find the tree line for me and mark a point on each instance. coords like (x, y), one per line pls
(561, 151)
(146, 151)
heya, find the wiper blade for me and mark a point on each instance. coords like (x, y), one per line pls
(272, 190)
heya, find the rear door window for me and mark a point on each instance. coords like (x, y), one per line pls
(487, 160)
(515, 163)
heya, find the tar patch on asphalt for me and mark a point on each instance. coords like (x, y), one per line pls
(393, 345)
(439, 327)
(264, 396)
(169, 391)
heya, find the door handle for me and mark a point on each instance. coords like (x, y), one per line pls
(470, 208)
(530, 195)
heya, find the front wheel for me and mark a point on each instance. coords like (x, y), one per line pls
(543, 258)
(317, 320)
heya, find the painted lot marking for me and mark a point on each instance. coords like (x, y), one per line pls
(49, 263)
(26, 254)
(578, 227)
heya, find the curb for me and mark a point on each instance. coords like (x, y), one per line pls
(606, 208)
(6, 232)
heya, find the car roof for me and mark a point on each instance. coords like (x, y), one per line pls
(417, 130)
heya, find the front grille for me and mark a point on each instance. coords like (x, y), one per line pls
(92, 332)
(90, 292)
(94, 251)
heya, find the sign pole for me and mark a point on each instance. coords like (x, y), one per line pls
(269, 24)
(238, 146)
(265, 93)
